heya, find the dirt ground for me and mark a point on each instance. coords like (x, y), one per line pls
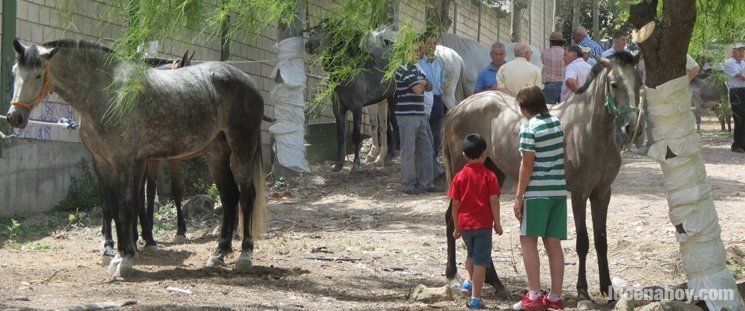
(385, 243)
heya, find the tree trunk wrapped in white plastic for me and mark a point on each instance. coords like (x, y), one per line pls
(676, 146)
(289, 105)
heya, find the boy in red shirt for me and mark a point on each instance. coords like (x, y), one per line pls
(475, 197)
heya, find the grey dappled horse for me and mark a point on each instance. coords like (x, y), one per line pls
(212, 106)
(709, 93)
(367, 88)
(592, 160)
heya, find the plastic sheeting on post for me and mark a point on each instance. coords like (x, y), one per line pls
(689, 192)
(289, 105)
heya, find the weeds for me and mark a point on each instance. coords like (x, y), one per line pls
(84, 193)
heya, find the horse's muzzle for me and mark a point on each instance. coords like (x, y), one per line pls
(17, 119)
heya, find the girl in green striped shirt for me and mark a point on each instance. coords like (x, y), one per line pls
(541, 198)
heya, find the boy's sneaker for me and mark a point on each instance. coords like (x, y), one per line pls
(528, 304)
(553, 305)
(475, 303)
(466, 288)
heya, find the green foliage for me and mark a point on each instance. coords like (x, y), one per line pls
(346, 25)
(84, 193)
(718, 24)
(213, 192)
(23, 234)
(404, 50)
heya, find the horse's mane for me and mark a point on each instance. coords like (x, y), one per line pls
(77, 44)
(618, 58)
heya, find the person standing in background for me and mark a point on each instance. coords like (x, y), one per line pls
(487, 79)
(552, 73)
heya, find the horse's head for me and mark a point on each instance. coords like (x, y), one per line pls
(621, 87)
(31, 81)
(318, 36)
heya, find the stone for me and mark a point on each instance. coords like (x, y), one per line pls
(670, 305)
(199, 206)
(628, 304)
(586, 305)
(430, 294)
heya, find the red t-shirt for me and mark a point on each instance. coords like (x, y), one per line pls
(473, 186)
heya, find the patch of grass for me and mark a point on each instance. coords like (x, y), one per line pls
(164, 218)
(23, 234)
(213, 192)
(738, 272)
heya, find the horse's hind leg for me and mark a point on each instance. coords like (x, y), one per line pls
(246, 153)
(599, 201)
(579, 205)
(176, 187)
(151, 173)
(372, 112)
(146, 223)
(218, 162)
(383, 128)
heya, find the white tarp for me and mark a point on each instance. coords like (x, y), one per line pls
(689, 191)
(289, 105)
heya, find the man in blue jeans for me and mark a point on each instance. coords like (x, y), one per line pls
(552, 73)
(434, 70)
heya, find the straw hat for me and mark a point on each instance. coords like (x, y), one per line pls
(556, 36)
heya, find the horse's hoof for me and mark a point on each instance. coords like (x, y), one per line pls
(179, 239)
(150, 247)
(106, 258)
(586, 305)
(244, 263)
(337, 168)
(357, 167)
(125, 268)
(215, 261)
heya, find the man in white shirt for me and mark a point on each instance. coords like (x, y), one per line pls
(620, 39)
(734, 71)
(519, 72)
(576, 72)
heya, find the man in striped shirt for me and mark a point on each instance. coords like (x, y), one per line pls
(541, 198)
(416, 146)
(580, 37)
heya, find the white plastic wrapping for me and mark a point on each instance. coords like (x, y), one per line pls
(688, 191)
(289, 105)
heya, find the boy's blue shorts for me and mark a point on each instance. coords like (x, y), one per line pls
(478, 242)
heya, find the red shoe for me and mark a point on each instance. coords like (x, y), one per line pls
(553, 305)
(528, 304)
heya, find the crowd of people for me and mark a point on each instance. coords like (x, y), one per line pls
(541, 196)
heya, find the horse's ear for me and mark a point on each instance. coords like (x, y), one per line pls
(183, 59)
(47, 53)
(188, 62)
(18, 46)
(637, 57)
(604, 61)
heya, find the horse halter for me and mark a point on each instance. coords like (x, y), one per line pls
(612, 108)
(45, 89)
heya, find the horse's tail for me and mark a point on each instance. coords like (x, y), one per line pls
(259, 212)
(462, 91)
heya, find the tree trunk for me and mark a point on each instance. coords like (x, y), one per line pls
(518, 7)
(575, 13)
(676, 145)
(288, 97)
(437, 15)
(595, 20)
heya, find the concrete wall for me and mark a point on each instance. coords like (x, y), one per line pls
(36, 175)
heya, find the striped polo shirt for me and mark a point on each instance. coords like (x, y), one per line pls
(543, 135)
(409, 103)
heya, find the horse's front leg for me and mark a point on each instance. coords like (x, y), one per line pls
(357, 136)
(599, 201)
(129, 176)
(146, 225)
(579, 205)
(106, 204)
(340, 113)
(372, 112)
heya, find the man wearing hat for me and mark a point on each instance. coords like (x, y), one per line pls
(552, 74)
(734, 70)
